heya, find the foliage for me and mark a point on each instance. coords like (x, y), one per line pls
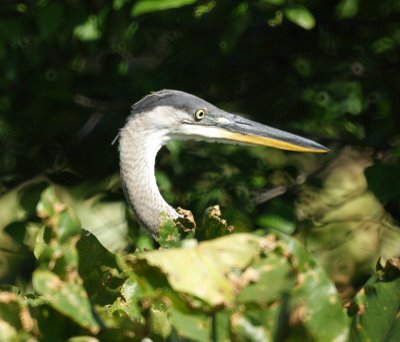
(375, 308)
(244, 287)
(75, 265)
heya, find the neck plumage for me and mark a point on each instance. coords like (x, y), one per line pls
(138, 146)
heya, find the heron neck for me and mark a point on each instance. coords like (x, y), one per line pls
(138, 148)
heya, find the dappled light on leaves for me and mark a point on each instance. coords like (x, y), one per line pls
(344, 224)
(74, 263)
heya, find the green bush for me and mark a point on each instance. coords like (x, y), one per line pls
(235, 287)
(307, 247)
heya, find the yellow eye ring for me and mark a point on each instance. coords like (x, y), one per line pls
(199, 114)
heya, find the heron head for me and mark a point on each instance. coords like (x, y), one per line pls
(184, 116)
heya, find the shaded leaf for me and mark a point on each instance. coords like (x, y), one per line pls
(276, 222)
(213, 225)
(378, 175)
(274, 2)
(191, 325)
(347, 8)
(98, 269)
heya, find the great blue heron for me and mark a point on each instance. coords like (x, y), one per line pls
(170, 114)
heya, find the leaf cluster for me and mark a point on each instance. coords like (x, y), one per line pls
(74, 264)
(236, 287)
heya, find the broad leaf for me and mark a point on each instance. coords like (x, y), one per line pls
(147, 6)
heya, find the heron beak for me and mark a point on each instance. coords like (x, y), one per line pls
(234, 128)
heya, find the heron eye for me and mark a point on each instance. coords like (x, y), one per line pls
(200, 113)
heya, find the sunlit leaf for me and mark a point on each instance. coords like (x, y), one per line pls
(58, 216)
(8, 332)
(148, 6)
(203, 9)
(211, 260)
(63, 100)
(83, 339)
(160, 324)
(300, 15)
(89, 30)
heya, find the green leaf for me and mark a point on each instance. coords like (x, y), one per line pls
(276, 222)
(16, 322)
(376, 308)
(129, 301)
(315, 298)
(159, 322)
(213, 225)
(347, 8)
(192, 326)
(204, 8)
(8, 332)
(273, 278)
(89, 30)
(221, 326)
(270, 318)
(42, 238)
(169, 235)
(249, 331)
(243, 269)
(98, 269)
(20, 202)
(148, 6)
(96, 214)
(211, 260)
(58, 216)
(300, 16)
(317, 302)
(83, 339)
(274, 2)
(69, 299)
